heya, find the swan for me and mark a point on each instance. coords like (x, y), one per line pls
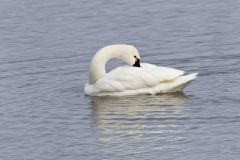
(134, 78)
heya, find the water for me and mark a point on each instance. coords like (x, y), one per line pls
(45, 50)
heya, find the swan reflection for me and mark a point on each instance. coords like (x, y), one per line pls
(123, 123)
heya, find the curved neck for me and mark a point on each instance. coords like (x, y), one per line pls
(97, 66)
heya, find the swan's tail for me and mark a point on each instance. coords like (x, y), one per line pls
(176, 85)
(181, 82)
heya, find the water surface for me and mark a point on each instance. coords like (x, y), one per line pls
(45, 51)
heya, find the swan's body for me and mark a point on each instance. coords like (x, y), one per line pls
(129, 80)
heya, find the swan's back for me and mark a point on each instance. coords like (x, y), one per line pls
(130, 80)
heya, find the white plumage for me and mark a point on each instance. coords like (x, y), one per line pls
(129, 80)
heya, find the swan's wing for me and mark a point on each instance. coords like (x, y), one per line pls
(162, 74)
(132, 78)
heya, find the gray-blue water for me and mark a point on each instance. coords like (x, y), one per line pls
(45, 50)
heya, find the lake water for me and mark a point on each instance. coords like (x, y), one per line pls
(45, 50)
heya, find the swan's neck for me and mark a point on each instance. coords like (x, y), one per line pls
(97, 67)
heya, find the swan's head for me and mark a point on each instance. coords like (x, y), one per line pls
(131, 56)
(128, 53)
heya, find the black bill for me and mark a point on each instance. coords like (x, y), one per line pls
(137, 63)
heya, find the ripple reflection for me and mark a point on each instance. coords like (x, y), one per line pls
(122, 123)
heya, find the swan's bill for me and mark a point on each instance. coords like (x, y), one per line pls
(137, 62)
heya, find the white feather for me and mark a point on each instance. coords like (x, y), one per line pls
(147, 79)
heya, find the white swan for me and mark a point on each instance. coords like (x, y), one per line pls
(134, 78)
